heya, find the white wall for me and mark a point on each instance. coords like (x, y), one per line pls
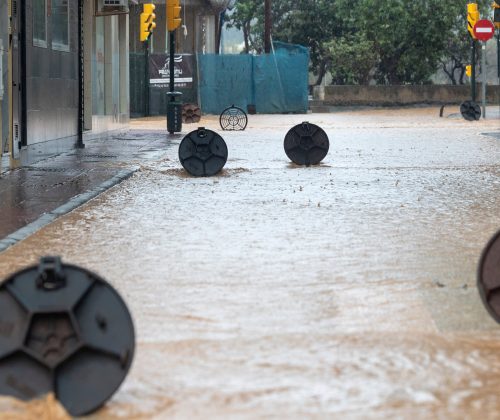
(109, 74)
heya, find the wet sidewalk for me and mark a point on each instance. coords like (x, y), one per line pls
(39, 193)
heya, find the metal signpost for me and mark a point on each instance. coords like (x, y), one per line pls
(484, 31)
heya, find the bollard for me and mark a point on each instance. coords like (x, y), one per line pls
(63, 329)
(488, 277)
(174, 112)
(203, 152)
(306, 144)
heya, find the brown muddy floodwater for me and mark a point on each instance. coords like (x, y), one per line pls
(345, 290)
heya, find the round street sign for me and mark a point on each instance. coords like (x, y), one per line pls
(484, 30)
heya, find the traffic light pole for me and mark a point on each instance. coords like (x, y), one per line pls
(174, 105)
(483, 71)
(470, 110)
(171, 36)
(81, 87)
(147, 26)
(498, 64)
(498, 55)
(146, 78)
(473, 73)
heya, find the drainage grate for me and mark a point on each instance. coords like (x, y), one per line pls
(46, 169)
(94, 156)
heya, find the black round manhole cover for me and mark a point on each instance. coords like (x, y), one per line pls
(470, 110)
(306, 144)
(488, 279)
(203, 152)
(233, 119)
(63, 329)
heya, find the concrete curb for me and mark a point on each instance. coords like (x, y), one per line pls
(72, 204)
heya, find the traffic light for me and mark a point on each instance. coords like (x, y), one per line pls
(147, 21)
(173, 15)
(468, 70)
(496, 16)
(472, 18)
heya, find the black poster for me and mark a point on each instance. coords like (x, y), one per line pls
(159, 70)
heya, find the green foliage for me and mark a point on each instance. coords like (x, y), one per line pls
(243, 18)
(391, 41)
(312, 23)
(352, 60)
(458, 44)
(409, 37)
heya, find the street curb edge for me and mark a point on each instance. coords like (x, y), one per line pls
(63, 209)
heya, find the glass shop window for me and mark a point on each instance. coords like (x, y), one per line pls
(40, 23)
(60, 25)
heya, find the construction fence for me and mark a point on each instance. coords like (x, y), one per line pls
(268, 84)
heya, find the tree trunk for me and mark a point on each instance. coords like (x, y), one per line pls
(453, 80)
(321, 72)
(462, 74)
(451, 75)
(457, 66)
(217, 34)
(321, 75)
(246, 35)
(267, 26)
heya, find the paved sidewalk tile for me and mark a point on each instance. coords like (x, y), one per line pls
(62, 183)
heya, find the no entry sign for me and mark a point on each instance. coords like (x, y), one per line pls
(484, 30)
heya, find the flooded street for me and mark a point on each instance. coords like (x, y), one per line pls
(345, 290)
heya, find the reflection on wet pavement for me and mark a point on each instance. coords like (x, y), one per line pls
(29, 192)
(345, 290)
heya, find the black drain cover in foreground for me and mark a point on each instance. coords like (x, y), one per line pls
(306, 144)
(488, 279)
(65, 330)
(203, 152)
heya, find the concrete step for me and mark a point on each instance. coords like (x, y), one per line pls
(315, 102)
(321, 109)
(317, 106)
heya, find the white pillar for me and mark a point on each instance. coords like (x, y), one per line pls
(109, 35)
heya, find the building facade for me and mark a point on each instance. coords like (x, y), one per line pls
(196, 35)
(4, 97)
(150, 62)
(64, 67)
